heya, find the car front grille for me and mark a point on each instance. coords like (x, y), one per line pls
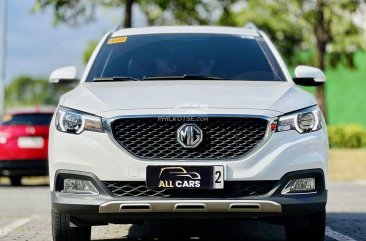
(232, 189)
(156, 138)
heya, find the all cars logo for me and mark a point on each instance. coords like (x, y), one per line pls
(178, 177)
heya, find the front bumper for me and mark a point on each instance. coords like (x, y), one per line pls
(104, 208)
(24, 168)
(97, 153)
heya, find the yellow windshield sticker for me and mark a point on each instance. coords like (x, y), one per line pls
(117, 40)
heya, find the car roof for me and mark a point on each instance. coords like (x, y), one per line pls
(31, 110)
(186, 29)
(30, 113)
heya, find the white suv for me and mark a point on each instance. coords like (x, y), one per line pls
(188, 122)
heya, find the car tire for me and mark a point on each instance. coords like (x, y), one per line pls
(16, 181)
(62, 231)
(314, 230)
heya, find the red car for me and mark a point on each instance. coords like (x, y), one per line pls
(24, 145)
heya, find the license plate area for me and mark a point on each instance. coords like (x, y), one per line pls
(30, 142)
(185, 177)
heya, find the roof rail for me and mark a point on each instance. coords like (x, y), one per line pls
(118, 27)
(251, 26)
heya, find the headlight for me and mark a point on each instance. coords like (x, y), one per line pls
(75, 122)
(303, 121)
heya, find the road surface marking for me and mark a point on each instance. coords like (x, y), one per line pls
(337, 236)
(16, 224)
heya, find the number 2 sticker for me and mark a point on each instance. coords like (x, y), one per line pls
(218, 174)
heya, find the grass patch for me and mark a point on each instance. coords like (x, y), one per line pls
(347, 164)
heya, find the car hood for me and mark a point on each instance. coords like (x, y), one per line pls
(263, 96)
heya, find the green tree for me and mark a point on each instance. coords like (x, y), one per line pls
(176, 12)
(228, 16)
(157, 12)
(89, 51)
(30, 91)
(75, 12)
(315, 32)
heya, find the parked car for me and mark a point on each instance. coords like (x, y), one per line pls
(187, 123)
(24, 145)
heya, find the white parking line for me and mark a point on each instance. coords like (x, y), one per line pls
(16, 224)
(360, 182)
(337, 236)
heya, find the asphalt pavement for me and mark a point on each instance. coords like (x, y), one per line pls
(25, 215)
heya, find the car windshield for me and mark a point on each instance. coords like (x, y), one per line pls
(27, 119)
(185, 56)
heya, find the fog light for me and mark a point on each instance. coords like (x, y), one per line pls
(78, 186)
(302, 185)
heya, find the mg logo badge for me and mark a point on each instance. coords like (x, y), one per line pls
(189, 135)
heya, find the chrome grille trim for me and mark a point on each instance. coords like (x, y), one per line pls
(266, 132)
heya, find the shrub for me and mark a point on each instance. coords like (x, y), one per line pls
(346, 136)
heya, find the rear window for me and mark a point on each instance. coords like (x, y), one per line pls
(232, 57)
(27, 119)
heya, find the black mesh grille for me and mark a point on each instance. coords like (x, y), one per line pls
(232, 189)
(223, 137)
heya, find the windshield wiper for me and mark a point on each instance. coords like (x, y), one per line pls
(178, 77)
(186, 76)
(115, 78)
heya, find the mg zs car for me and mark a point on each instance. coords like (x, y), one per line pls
(185, 123)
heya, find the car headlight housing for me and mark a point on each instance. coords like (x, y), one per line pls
(303, 121)
(74, 122)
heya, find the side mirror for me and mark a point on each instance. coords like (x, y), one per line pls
(66, 75)
(309, 76)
